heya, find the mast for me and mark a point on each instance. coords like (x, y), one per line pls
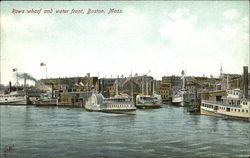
(132, 88)
(25, 77)
(227, 81)
(17, 81)
(143, 85)
(117, 85)
(153, 87)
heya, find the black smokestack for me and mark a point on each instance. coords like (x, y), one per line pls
(9, 87)
(245, 81)
(25, 82)
(52, 87)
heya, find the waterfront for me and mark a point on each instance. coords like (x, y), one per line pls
(166, 132)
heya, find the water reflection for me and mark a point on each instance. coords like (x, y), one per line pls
(166, 132)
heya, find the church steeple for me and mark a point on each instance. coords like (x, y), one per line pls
(221, 71)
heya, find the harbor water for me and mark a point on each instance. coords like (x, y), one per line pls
(39, 132)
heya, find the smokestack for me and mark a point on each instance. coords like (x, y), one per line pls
(52, 89)
(25, 76)
(9, 87)
(245, 81)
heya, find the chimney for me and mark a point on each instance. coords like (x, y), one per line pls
(245, 81)
(52, 89)
(25, 76)
(9, 87)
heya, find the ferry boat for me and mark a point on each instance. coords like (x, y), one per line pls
(121, 104)
(232, 105)
(148, 101)
(14, 98)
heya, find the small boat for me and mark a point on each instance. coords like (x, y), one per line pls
(121, 104)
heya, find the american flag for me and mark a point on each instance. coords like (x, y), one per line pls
(15, 69)
(43, 64)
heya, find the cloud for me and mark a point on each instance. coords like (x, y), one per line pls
(26, 24)
(137, 40)
(202, 46)
(231, 14)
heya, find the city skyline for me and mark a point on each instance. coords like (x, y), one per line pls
(164, 37)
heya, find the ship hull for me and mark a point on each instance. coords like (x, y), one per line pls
(14, 102)
(179, 103)
(119, 111)
(148, 106)
(222, 114)
(115, 111)
(212, 113)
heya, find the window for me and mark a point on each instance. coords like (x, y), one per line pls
(242, 110)
(246, 111)
(238, 110)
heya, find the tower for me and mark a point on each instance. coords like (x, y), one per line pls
(221, 71)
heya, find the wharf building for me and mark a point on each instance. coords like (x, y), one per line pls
(170, 85)
(72, 91)
(167, 86)
(237, 82)
(71, 84)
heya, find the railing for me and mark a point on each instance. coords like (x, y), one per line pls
(219, 103)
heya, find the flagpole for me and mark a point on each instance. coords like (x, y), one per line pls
(17, 80)
(132, 88)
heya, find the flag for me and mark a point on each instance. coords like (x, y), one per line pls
(15, 69)
(43, 64)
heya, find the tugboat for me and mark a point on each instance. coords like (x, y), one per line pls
(121, 104)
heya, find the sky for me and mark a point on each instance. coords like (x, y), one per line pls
(161, 38)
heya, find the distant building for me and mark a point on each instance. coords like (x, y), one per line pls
(236, 82)
(72, 84)
(169, 85)
(164, 89)
(74, 98)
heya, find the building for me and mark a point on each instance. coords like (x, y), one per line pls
(169, 85)
(76, 99)
(71, 84)
(164, 89)
(237, 82)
